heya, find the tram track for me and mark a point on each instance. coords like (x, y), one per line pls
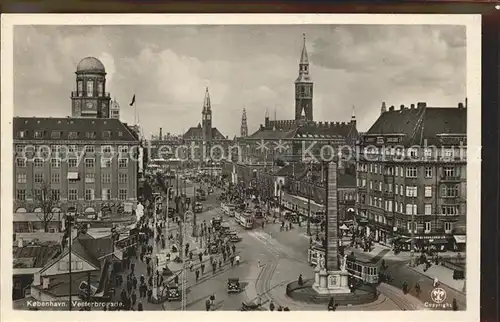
(394, 295)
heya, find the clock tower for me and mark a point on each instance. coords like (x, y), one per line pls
(90, 98)
(304, 88)
(206, 121)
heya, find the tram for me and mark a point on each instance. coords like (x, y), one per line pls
(245, 219)
(361, 269)
(228, 209)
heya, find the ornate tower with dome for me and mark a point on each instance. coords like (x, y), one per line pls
(90, 99)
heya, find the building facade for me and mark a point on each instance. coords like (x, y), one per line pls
(81, 165)
(411, 177)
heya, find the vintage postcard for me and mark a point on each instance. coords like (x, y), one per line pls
(321, 164)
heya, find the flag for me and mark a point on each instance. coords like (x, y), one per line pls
(133, 101)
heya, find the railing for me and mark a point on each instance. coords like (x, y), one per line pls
(84, 94)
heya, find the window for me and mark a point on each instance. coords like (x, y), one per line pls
(448, 227)
(55, 177)
(401, 190)
(80, 87)
(412, 152)
(411, 191)
(100, 88)
(89, 177)
(371, 185)
(72, 194)
(38, 162)
(75, 265)
(122, 163)
(90, 135)
(408, 225)
(380, 186)
(21, 134)
(358, 182)
(390, 171)
(411, 172)
(389, 205)
(428, 172)
(411, 209)
(448, 153)
(428, 209)
(21, 178)
(450, 191)
(37, 194)
(89, 148)
(450, 172)
(20, 148)
(428, 192)
(21, 194)
(89, 162)
(120, 133)
(55, 163)
(72, 163)
(106, 135)
(106, 177)
(105, 163)
(396, 189)
(55, 135)
(55, 194)
(363, 183)
(427, 226)
(38, 134)
(73, 135)
(389, 187)
(106, 149)
(122, 178)
(89, 194)
(106, 194)
(122, 194)
(21, 162)
(449, 210)
(90, 88)
(397, 171)
(123, 149)
(38, 177)
(427, 153)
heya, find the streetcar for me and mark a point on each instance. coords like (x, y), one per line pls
(360, 269)
(245, 219)
(228, 209)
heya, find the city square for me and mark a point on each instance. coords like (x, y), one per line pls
(137, 204)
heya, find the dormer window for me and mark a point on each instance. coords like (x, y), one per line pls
(55, 135)
(21, 134)
(106, 135)
(90, 88)
(38, 134)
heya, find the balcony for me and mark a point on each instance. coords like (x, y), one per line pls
(84, 94)
(389, 194)
(450, 179)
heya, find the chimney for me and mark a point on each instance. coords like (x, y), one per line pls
(421, 105)
(412, 106)
(20, 243)
(460, 105)
(161, 133)
(391, 108)
(466, 102)
(45, 282)
(402, 107)
(383, 109)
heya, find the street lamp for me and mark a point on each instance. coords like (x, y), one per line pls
(158, 199)
(69, 220)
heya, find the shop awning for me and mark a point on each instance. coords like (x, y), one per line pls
(72, 175)
(439, 241)
(460, 239)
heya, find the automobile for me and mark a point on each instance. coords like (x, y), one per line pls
(201, 198)
(213, 248)
(234, 238)
(173, 293)
(233, 285)
(198, 207)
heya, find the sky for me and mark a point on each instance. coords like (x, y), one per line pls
(252, 67)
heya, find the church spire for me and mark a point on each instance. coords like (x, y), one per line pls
(304, 59)
(244, 125)
(206, 102)
(353, 116)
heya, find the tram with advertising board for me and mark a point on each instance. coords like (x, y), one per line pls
(245, 219)
(359, 268)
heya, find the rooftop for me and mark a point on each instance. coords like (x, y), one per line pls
(77, 129)
(34, 256)
(90, 65)
(197, 133)
(421, 123)
(59, 284)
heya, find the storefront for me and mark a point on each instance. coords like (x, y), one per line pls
(459, 243)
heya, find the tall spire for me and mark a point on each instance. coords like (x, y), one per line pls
(244, 125)
(206, 102)
(353, 116)
(303, 57)
(383, 109)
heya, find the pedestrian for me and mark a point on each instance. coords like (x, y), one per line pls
(271, 306)
(176, 279)
(234, 249)
(150, 294)
(134, 298)
(286, 308)
(132, 267)
(139, 306)
(454, 305)
(224, 256)
(220, 264)
(207, 305)
(197, 273)
(331, 304)
(214, 267)
(202, 268)
(280, 308)
(300, 281)
(150, 280)
(191, 266)
(200, 256)
(436, 282)
(212, 299)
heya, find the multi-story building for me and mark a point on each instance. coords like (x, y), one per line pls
(78, 165)
(412, 169)
(291, 139)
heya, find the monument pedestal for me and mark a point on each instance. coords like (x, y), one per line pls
(332, 282)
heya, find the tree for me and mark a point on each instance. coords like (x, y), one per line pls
(46, 201)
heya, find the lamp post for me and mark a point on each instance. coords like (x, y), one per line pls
(69, 220)
(157, 203)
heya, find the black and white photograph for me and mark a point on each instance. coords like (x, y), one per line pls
(319, 163)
